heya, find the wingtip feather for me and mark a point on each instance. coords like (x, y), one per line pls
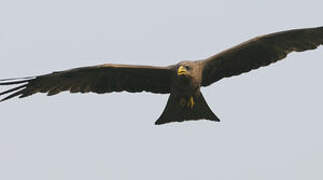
(13, 89)
(12, 95)
(16, 91)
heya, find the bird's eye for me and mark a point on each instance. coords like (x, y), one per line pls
(187, 67)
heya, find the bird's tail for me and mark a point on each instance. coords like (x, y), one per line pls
(179, 109)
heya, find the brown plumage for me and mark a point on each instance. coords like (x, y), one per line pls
(182, 81)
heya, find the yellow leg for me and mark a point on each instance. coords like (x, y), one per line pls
(188, 102)
(191, 102)
(182, 102)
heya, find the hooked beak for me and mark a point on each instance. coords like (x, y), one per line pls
(181, 70)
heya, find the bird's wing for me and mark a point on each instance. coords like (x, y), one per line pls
(258, 52)
(98, 79)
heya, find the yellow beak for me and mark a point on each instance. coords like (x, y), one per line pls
(181, 70)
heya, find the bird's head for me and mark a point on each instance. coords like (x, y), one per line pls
(188, 75)
(184, 69)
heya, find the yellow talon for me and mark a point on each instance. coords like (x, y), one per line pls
(191, 102)
(188, 102)
(182, 101)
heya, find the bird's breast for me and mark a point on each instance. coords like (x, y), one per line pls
(185, 85)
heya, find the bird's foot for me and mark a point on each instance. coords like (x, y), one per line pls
(191, 102)
(187, 102)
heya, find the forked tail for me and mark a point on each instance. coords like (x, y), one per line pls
(179, 109)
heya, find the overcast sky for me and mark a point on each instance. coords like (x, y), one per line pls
(271, 124)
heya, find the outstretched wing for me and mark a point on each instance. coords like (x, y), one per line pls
(258, 52)
(98, 79)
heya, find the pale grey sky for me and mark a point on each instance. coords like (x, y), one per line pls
(271, 118)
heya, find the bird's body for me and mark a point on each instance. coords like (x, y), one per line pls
(186, 101)
(182, 81)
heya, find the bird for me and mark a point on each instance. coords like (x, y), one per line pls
(182, 81)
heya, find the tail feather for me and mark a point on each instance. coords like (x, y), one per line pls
(175, 111)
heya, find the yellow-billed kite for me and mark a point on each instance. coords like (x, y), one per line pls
(183, 80)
